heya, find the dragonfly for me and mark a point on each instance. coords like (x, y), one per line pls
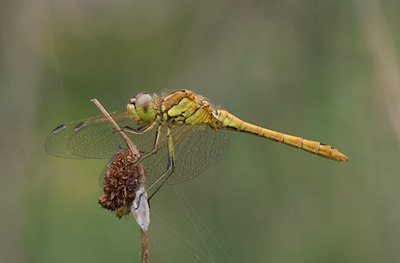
(179, 134)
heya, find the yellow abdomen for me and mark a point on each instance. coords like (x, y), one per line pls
(231, 122)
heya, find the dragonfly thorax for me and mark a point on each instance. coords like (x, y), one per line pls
(142, 109)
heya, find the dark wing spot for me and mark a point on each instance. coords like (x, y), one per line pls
(79, 126)
(59, 128)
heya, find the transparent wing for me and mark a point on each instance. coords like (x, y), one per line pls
(196, 148)
(88, 138)
(94, 138)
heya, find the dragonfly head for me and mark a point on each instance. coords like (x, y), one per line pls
(142, 109)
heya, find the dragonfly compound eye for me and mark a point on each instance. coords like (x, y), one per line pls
(143, 100)
(142, 109)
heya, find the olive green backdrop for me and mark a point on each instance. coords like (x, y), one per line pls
(323, 70)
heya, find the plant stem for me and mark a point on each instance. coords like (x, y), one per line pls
(142, 208)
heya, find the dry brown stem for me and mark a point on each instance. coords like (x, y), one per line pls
(142, 197)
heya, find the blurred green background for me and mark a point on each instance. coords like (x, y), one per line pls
(323, 70)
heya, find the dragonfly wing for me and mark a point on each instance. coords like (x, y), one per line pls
(89, 138)
(196, 148)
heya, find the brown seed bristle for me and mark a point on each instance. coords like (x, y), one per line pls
(120, 184)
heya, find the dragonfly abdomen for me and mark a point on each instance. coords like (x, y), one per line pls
(232, 122)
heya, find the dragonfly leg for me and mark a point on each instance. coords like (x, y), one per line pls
(155, 145)
(170, 168)
(139, 131)
(152, 151)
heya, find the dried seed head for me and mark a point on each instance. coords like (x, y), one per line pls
(120, 183)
